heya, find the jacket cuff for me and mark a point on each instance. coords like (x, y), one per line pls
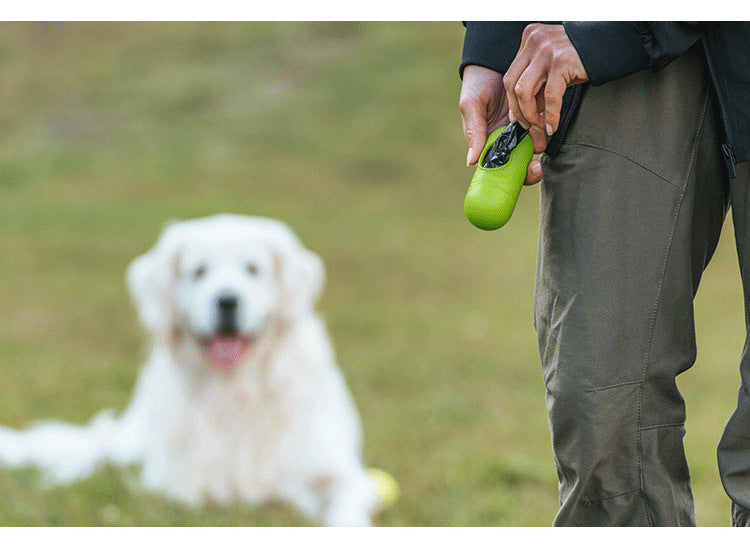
(594, 43)
(491, 44)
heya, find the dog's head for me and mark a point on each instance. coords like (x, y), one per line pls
(220, 281)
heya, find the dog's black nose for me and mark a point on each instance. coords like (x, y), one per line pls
(227, 305)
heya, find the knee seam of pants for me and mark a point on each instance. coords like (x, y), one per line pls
(587, 501)
(624, 156)
(613, 386)
(657, 303)
(661, 426)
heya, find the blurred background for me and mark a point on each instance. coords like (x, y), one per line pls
(350, 133)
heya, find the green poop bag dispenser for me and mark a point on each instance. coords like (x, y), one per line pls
(498, 178)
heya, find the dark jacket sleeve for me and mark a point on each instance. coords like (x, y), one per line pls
(608, 49)
(491, 44)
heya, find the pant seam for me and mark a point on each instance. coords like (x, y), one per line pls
(652, 320)
(661, 426)
(587, 501)
(624, 156)
(604, 388)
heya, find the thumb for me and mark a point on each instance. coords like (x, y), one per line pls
(473, 116)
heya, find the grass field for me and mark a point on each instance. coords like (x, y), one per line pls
(349, 132)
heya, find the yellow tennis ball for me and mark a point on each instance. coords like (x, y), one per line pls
(386, 486)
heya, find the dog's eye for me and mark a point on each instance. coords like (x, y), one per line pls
(199, 272)
(251, 269)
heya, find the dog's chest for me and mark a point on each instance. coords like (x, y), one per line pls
(232, 443)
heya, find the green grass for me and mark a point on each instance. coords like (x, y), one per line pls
(349, 132)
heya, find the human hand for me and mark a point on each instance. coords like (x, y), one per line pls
(484, 108)
(545, 65)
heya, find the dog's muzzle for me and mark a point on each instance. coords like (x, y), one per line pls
(227, 307)
(227, 346)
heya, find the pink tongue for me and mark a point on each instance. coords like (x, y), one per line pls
(227, 350)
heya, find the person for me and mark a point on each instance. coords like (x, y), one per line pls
(645, 129)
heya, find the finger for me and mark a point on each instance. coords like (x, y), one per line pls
(538, 138)
(553, 96)
(533, 173)
(527, 88)
(475, 128)
(509, 83)
(501, 118)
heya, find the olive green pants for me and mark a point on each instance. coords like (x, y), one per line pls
(631, 212)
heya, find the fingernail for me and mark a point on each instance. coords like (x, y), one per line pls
(549, 130)
(468, 156)
(511, 117)
(536, 169)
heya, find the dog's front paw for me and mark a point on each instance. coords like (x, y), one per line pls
(351, 502)
(347, 517)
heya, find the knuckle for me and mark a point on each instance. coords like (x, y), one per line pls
(531, 32)
(468, 105)
(550, 96)
(521, 90)
(470, 135)
(560, 58)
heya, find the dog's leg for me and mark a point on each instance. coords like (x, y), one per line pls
(68, 452)
(351, 501)
(65, 452)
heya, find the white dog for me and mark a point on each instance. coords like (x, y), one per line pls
(240, 398)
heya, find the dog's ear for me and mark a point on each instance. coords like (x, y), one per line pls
(301, 275)
(151, 278)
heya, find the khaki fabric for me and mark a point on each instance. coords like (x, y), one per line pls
(631, 211)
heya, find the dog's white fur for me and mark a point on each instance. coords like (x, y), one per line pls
(280, 424)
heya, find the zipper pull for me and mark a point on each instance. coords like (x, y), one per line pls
(728, 151)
